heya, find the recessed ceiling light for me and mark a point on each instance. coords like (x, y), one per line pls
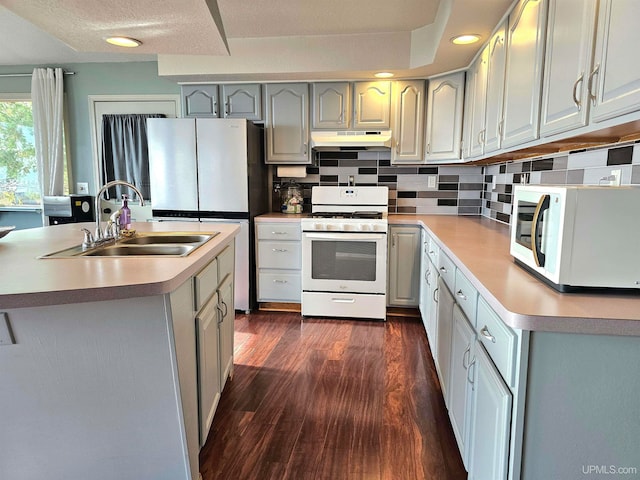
(383, 75)
(465, 39)
(124, 42)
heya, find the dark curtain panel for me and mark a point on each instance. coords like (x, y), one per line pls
(124, 152)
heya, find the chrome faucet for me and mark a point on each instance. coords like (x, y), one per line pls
(101, 236)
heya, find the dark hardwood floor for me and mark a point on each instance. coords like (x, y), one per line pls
(331, 399)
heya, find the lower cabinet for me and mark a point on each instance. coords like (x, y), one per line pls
(214, 317)
(444, 328)
(428, 291)
(462, 343)
(279, 261)
(404, 266)
(491, 420)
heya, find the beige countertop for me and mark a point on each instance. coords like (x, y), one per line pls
(28, 281)
(480, 248)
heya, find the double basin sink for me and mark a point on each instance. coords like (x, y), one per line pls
(165, 244)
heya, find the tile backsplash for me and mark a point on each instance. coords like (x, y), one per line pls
(590, 167)
(462, 189)
(457, 190)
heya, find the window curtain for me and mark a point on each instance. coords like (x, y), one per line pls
(47, 105)
(125, 154)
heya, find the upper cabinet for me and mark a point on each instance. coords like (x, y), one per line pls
(223, 101)
(334, 106)
(331, 105)
(445, 101)
(475, 104)
(614, 81)
(372, 104)
(287, 123)
(565, 93)
(496, 58)
(408, 122)
(523, 75)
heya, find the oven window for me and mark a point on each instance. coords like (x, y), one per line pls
(343, 260)
(524, 223)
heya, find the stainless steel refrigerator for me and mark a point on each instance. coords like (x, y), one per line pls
(211, 170)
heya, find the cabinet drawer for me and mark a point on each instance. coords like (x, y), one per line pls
(205, 283)
(226, 260)
(279, 287)
(466, 296)
(447, 270)
(498, 340)
(278, 231)
(279, 255)
(433, 250)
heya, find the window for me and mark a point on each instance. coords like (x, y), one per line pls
(19, 179)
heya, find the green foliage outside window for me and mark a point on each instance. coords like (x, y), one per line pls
(18, 167)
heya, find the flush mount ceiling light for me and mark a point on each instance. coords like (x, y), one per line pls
(465, 39)
(124, 42)
(383, 75)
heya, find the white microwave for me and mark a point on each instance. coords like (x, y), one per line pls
(574, 237)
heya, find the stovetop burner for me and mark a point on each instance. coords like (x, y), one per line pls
(362, 214)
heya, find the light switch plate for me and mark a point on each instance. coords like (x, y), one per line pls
(6, 337)
(82, 188)
(617, 174)
(431, 181)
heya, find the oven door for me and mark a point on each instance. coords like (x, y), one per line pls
(344, 262)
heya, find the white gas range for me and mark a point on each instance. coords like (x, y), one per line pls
(344, 253)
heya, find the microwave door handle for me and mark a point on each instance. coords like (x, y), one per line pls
(536, 245)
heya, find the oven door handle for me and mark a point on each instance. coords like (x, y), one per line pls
(345, 236)
(536, 225)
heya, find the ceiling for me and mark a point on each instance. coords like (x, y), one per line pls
(209, 40)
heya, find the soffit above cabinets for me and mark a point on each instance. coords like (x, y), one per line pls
(274, 40)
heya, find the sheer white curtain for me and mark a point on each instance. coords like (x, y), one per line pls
(47, 104)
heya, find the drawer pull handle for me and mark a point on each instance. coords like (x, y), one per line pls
(280, 281)
(465, 355)
(279, 249)
(344, 300)
(470, 377)
(435, 295)
(443, 270)
(460, 294)
(278, 233)
(427, 274)
(485, 333)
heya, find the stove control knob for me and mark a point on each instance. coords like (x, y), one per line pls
(365, 227)
(347, 227)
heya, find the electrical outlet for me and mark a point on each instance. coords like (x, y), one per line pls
(82, 188)
(617, 174)
(431, 181)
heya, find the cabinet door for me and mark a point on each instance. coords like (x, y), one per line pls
(287, 123)
(331, 105)
(208, 365)
(408, 121)
(242, 101)
(615, 78)
(226, 320)
(372, 104)
(432, 320)
(523, 76)
(445, 102)
(475, 106)
(491, 420)
(404, 266)
(495, 90)
(569, 48)
(424, 279)
(200, 101)
(445, 320)
(462, 340)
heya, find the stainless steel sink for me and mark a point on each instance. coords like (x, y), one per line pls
(159, 238)
(141, 250)
(159, 244)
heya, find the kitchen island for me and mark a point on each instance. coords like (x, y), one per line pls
(99, 374)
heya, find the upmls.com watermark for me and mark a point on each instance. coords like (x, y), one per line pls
(608, 470)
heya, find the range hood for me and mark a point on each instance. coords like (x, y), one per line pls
(350, 139)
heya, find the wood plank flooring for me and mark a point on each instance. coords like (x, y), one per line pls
(326, 399)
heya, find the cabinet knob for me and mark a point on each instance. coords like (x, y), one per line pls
(486, 334)
(460, 294)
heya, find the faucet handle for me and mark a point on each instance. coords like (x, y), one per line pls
(88, 241)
